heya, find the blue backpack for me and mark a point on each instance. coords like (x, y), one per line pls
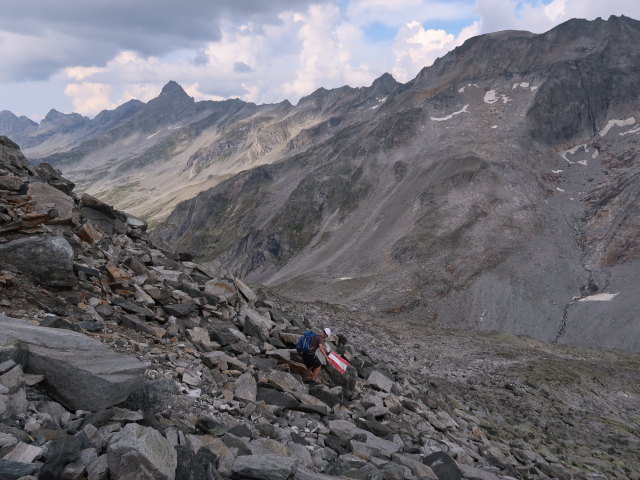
(304, 341)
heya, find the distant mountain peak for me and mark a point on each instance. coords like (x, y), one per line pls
(173, 88)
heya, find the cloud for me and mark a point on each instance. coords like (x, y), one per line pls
(415, 47)
(39, 38)
(107, 52)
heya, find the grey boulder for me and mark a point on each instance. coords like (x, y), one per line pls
(48, 260)
(81, 373)
(264, 467)
(141, 453)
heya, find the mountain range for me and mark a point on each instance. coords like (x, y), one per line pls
(498, 190)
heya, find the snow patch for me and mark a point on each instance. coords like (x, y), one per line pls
(633, 130)
(583, 162)
(600, 297)
(617, 123)
(494, 126)
(153, 134)
(559, 189)
(449, 117)
(524, 84)
(534, 88)
(345, 278)
(505, 99)
(595, 154)
(174, 127)
(490, 97)
(556, 171)
(572, 151)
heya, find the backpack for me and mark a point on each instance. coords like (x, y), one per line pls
(304, 341)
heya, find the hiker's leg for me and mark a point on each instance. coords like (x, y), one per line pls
(315, 373)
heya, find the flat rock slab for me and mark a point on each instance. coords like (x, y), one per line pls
(81, 373)
(265, 467)
(15, 470)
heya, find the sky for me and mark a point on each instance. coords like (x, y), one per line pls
(89, 56)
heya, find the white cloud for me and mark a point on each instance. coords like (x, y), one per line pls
(285, 49)
(89, 98)
(415, 47)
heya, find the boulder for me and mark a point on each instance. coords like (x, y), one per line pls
(48, 260)
(141, 453)
(246, 388)
(15, 470)
(380, 381)
(81, 373)
(43, 193)
(256, 325)
(443, 466)
(264, 467)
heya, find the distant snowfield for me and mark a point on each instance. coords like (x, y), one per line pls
(153, 135)
(556, 171)
(633, 130)
(345, 278)
(600, 297)
(449, 117)
(617, 123)
(490, 97)
(572, 151)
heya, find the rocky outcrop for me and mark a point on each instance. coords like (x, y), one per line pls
(80, 373)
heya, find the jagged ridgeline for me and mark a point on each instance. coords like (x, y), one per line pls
(119, 360)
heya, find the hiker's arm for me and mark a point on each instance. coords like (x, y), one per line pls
(324, 352)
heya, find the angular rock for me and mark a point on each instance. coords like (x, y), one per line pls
(419, 469)
(43, 193)
(380, 381)
(141, 453)
(23, 453)
(246, 292)
(15, 470)
(271, 396)
(245, 388)
(81, 373)
(443, 466)
(48, 260)
(180, 309)
(99, 468)
(256, 325)
(264, 467)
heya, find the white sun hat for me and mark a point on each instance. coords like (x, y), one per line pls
(327, 331)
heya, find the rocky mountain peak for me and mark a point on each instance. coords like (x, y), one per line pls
(384, 84)
(173, 88)
(63, 120)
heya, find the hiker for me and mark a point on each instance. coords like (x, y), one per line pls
(307, 346)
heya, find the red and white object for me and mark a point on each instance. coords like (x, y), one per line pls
(337, 362)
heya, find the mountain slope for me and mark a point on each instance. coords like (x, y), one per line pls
(145, 158)
(497, 190)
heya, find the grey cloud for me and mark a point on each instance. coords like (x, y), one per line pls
(241, 67)
(101, 28)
